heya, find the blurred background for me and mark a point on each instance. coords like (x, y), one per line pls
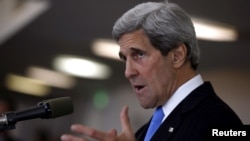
(56, 48)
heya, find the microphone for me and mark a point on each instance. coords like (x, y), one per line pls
(46, 109)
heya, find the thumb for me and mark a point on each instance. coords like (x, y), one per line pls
(125, 122)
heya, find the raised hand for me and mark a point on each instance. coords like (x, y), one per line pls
(126, 134)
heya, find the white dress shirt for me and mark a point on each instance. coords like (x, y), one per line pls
(182, 92)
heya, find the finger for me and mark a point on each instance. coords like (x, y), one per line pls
(89, 131)
(126, 126)
(67, 137)
(125, 122)
(113, 132)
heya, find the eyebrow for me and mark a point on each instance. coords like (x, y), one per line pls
(135, 49)
(123, 57)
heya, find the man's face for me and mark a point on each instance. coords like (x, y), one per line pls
(149, 72)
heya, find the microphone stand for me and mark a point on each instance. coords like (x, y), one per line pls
(10, 118)
(6, 127)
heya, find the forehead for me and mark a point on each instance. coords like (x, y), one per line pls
(136, 39)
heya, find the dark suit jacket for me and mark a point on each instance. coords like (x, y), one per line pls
(194, 118)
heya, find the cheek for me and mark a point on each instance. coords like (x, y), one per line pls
(159, 80)
(154, 80)
(158, 83)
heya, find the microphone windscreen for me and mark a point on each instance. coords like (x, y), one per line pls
(60, 106)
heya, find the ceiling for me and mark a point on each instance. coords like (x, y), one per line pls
(70, 26)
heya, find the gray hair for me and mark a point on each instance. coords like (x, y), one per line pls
(166, 24)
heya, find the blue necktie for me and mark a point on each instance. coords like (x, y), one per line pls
(155, 123)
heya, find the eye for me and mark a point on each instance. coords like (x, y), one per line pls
(140, 54)
(122, 57)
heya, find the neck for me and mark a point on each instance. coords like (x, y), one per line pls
(183, 74)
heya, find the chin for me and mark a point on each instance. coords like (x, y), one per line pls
(147, 106)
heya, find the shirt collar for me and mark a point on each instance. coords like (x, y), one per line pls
(182, 92)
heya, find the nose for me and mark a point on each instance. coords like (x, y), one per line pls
(130, 70)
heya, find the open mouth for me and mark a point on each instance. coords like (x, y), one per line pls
(138, 87)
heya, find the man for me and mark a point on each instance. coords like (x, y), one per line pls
(159, 47)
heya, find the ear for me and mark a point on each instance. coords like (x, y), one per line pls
(179, 55)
